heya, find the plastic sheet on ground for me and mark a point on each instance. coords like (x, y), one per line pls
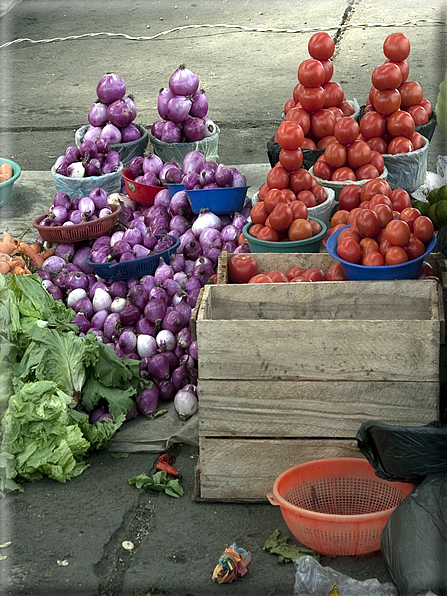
(312, 579)
(156, 435)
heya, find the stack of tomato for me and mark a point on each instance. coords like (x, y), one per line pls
(380, 234)
(347, 157)
(394, 105)
(317, 102)
(282, 210)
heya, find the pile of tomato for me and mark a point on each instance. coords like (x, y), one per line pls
(317, 102)
(395, 105)
(384, 228)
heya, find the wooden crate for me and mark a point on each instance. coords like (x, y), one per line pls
(289, 372)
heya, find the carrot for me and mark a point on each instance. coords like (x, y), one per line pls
(6, 170)
(8, 248)
(18, 270)
(47, 253)
(6, 237)
(27, 250)
(4, 267)
(18, 261)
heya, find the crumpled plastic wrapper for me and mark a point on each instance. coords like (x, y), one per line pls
(232, 565)
(432, 180)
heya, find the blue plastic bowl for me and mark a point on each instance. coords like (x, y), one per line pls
(218, 200)
(136, 268)
(173, 188)
(6, 186)
(354, 272)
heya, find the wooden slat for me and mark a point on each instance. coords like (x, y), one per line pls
(246, 469)
(311, 408)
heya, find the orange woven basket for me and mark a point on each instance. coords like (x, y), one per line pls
(337, 506)
(78, 232)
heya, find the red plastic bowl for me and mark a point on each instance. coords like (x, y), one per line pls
(141, 193)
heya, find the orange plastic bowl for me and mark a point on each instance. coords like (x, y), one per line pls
(337, 506)
(141, 193)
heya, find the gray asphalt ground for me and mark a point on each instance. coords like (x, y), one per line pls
(67, 538)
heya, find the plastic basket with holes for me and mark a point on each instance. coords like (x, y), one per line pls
(136, 268)
(337, 506)
(78, 232)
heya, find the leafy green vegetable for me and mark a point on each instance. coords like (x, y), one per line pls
(287, 553)
(160, 481)
(50, 378)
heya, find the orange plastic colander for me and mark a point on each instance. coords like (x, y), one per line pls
(337, 506)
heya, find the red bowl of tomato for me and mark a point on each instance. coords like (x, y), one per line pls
(355, 272)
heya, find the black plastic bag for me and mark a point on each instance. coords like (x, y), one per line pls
(404, 454)
(414, 540)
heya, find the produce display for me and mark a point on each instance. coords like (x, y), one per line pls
(395, 105)
(317, 102)
(67, 212)
(183, 109)
(92, 158)
(111, 118)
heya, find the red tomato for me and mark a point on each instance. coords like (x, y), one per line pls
(278, 177)
(378, 144)
(401, 124)
(334, 94)
(349, 250)
(384, 213)
(263, 191)
(281, 217)
(346, 108)
(423, 228)
(379, 199)
(322, 170)
(325, 141)
(260, 278)
(417, 141)
(300, 229)
(321, 46)
(290, 135)
(418, 113)
(241, 268)
(328, 70)
(311, 73)
(366, 172)
(312, 98)
(254, 230)
(299, 116)
(359, 154)
(319, 192)
(335, 154)
(426, 270)
(396, 255)
(301, 179)
(409, 214)
(291, 159)
(290, 103)
(307, 197)
(289, 195)
(258, 213)
(427, 107)
(386, 76)
(342, 174)
(400, 199)
(272, 198)
(308, 144)
(299, 209)
(313, 274)
(294, 272)
(296, 93)
(396, 47)
(411, 93)
(368, 245)
(349, 197)
(373, 259)
(316, 227)
(322, 123)
(336, 272)
(372, 125)
(368, 223)
(348, 233)
(340, 217)
(337, 112)
(374, 187)
(346, 130)
(387, 101)
(400, 145)
(403, 67)
(277, 277)
(269, 234)
(415, 247)
(397, 232)
(377, 161)
(384, 246)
